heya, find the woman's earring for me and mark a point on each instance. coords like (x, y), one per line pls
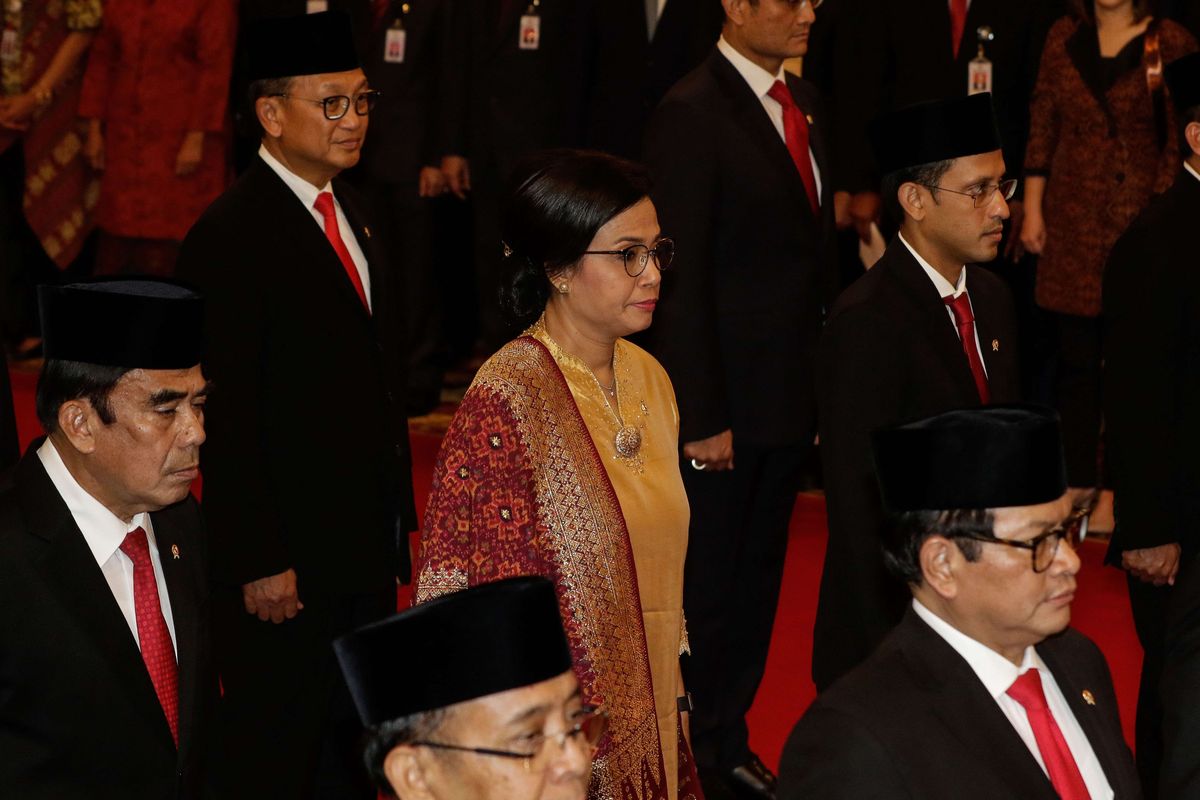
(563, 288)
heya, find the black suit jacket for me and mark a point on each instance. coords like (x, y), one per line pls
(78, 712)
(402, 136)
(889, 355)
(893, 53)
(501, 102)
(915, 721)
(307, 461)
(9, 445)
(1152, 374)
(740, 311)
(628, 72)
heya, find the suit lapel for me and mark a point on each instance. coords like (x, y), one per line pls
(749, 113)
(960, 701)
(1109, 750)
(68, 564)
(929, 308)
(181, 593)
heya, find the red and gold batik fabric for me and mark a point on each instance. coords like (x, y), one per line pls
(519, 489)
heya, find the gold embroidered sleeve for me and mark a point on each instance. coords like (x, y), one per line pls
(83, 15)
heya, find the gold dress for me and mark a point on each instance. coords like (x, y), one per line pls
(653, 502)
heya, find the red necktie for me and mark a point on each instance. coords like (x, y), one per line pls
(964, 320)
(379, 10)
(153, 636)
(958, 21)
(324, 205)
(1060, 764)
(795, 134)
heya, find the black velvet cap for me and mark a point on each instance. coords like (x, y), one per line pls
(137, 324)
(1183, 80)
(934, 131)
(992, 457)
(458, 647)
(309, 44)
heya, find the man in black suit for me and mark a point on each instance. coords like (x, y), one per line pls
(639, 50)
(9, 445)
(514, 84)
(908, 340)
(307, 485)
(1151, 297)
(106, 684)
(738, 157)
(982, 690)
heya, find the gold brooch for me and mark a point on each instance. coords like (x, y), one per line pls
(995, 345)
(1088, 697)
(175, 552)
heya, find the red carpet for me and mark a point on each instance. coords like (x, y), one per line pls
(1101, 607)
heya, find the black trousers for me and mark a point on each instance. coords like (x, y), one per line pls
(288, 725)
(23, 262)
(1078, 386)
(1150, 605)
(9, 444)
(736, 547)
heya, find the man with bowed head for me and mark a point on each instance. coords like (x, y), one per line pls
(490, 709)
(982, 690)
(106, 684)
(307, 486)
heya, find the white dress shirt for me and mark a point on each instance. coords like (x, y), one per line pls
(946, 289)
(1188, 167)
(308, 195)
(760, 82)
(104, 533)
(997, 673)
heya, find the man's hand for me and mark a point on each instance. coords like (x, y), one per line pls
(1014, 250)
(273, 598)
(191, 152)
(1156, 565)
(714, 453)
(864, 209)
(431, 182)
(93, 148)
(458, 175)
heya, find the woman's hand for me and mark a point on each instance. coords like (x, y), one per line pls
(16, 112)
(1033, 231)
(93, 148)
(191, 153)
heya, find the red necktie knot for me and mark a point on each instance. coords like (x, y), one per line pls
(324, 204)
(1027, 690)
(780, 94)
(961, 308)
(154, 638)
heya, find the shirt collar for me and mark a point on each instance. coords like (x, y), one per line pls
(995, 671)
(302, 188)
(102, 530)
(759, 79)
(1188, 167)
(945, 288)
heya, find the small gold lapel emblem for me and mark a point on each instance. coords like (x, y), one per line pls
(995, 345)
(367, 231)
(175, 552)
(809, 118)
(1088, 697)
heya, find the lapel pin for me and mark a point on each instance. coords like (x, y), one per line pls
(1088, 697)
(367, 231)
(175, 552)
(809, 118)
(995, 345)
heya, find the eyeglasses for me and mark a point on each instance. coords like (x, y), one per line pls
(813, 4)
(1044, 547)
(982, 195)
(637, 256)
(336, 106)
(589, 723)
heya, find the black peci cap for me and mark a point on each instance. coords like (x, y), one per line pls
(309, 44)
(136, 324)
(992, 457)
(463, 645)
(937, 131)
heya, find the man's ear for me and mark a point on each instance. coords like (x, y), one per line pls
(78, 423)
(939, 558)
(735, 10)
(407, 774)
(270, 115)
(909, 195)
(1192, 134)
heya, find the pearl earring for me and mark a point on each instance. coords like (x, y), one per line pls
(563, 288)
